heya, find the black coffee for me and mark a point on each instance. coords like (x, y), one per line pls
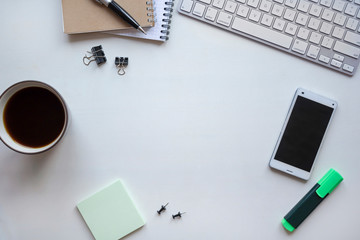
(34, 117)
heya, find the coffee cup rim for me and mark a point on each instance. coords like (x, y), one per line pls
(30, 150)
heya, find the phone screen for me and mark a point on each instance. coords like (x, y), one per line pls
(303, 134)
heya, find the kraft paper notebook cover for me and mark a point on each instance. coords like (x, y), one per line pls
(83, 16)
(111, 213)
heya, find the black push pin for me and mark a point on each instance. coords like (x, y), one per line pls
(163, 208)
(121, 63)
(178, 215)
(98, 56)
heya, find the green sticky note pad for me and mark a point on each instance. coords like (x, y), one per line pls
(110, 213)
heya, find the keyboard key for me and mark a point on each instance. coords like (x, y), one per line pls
(241, 1)
(218, 3)
(303, 33)
(336, 63)
(352, 24)
(301, 19)
(347, 49)
(299, 46)
(351, 9)
(263, 33)
(267, 20)
(224, 19)
(353, 38)
(243, 11)
(338, 57)
(326, 3)
(279, 1)
(291, 3)
(277, 10)
(325, 28)
(338, 32)
(339, 5)
(303, 6)
(187, 5)
(324, 59)
(205, 1)
(315, 38)
(253, 3)
(289, 14)
(315, 10)
(327, 42)
(314, 24)
(254, 15)
(265, 6)
(279, 24)
(291, 29)
(348, 68)
(230, 6)
(340, 19)
(313, 51)
(328, 15)
(199, 9)
(211, 14)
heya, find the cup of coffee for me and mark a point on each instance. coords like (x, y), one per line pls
(34, 117)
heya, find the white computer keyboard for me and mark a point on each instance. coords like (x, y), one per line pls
(326, 32)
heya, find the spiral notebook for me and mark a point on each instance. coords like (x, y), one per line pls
(162, 12)
(83, 16)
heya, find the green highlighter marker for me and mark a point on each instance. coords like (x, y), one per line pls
(311, 200)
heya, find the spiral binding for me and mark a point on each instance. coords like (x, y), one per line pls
(169, 5)
(150, 9)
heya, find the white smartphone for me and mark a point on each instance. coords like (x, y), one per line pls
(301, 136)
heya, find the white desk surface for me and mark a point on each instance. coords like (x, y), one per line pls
(193, 122)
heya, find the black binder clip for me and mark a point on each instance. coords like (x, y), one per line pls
(121, 63)
(98, 55)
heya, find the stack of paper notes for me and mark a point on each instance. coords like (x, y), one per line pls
(110, 213)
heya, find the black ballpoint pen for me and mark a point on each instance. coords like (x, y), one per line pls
(122, 13)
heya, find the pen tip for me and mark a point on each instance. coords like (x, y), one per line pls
(142, 30)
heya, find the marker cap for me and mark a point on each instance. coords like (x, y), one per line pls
(328, 183)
